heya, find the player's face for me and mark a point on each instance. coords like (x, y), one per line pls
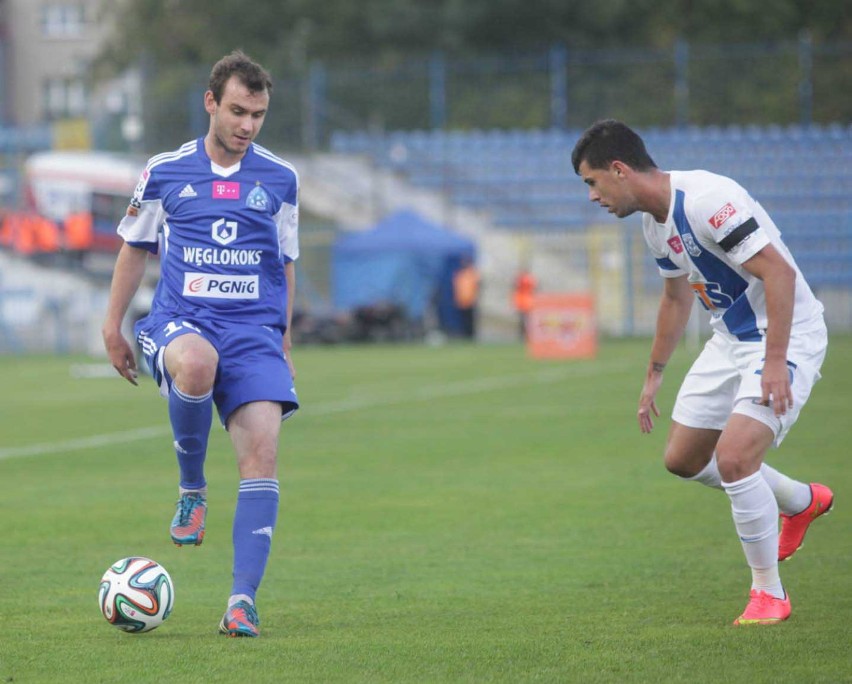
(236, 120)
(610, 188)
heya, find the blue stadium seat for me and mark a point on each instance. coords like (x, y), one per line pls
(799, 173)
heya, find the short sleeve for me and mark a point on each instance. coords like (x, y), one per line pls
(727, 217)
(145, 214)
(287, 220)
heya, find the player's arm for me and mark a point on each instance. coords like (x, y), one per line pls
(779, 283)
(290, 275)
(126, 278)
(672, 317)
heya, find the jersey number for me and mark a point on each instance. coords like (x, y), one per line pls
(172, 327)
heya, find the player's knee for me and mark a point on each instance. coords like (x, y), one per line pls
(733, 468)
(679, 470)
(195, 373)
(678, 464)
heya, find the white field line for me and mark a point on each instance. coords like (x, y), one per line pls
(94, 441)
(356, 403)
(465, 387)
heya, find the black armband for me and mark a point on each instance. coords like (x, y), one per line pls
(738, 234)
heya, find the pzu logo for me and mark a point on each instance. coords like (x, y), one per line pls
(711, 296)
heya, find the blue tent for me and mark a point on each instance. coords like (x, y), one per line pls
(405, 259)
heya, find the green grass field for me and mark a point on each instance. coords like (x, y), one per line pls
(454, 514)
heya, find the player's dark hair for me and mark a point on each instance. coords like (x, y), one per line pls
(251, 74)
(607, 141)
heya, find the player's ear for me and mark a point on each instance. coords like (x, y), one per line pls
(620, 169)
(210, 103)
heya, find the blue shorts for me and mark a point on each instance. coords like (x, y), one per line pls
(251, 367)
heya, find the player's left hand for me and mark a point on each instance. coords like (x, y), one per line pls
(775, 387)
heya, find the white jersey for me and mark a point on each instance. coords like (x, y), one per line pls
(713, 227)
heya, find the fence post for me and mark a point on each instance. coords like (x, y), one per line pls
(314, 106)
(558, 66)
(437, 90)
(4, 113)
(806, 85)
(681, 86)
(198, 118)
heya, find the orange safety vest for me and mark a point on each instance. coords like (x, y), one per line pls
(524, 293)
(45, 234)
(29, 233)
(78, 231)
(23, 237)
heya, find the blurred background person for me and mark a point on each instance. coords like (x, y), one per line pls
(466, 284)
(523, 296)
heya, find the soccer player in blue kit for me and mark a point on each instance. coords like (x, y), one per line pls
(712, 241)
(222, 213)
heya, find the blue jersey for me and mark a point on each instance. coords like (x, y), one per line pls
(223, 234)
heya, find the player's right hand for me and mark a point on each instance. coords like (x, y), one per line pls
(121, 357)
(647, 402)
(646, 422)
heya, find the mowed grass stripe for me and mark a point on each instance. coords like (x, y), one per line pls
(356, 403)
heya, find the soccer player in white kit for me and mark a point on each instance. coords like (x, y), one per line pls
(714, 242)
(222, 212)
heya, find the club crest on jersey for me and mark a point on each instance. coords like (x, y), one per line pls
(257, 199)
(224, 232)
(676, 244)
(691, 245)
(722, 215)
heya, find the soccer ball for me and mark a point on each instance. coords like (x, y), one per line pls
(136, 594)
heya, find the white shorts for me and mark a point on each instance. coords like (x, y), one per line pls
(725, 379)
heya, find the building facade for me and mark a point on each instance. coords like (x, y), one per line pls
(46, 52)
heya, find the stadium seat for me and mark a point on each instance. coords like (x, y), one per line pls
(525, 177)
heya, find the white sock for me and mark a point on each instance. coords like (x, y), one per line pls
(203, 492)
(240, 597)
(792, 496)
(768, 580)
(755, 514)
(709, 475)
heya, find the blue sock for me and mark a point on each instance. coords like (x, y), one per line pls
(254, 522)
(191, 418)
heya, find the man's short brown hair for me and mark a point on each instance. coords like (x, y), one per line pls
(251, 74)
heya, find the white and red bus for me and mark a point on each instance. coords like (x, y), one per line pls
(78, 186)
